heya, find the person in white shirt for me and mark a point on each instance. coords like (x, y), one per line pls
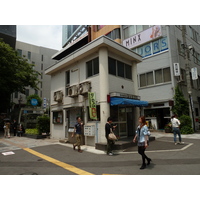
(176, 130)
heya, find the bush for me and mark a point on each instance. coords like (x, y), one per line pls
(43, 124)
(33, 131)
(186, 125)
(185, 121)
(186, 130)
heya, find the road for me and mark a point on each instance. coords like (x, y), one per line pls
(49, 157)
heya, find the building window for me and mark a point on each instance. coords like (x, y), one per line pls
(193, 34)
(115, 34)
(19, 51)
(155, 77)
(133, 29)
(29, 55)
(119, 68)
(112, 66)
(67, 81)
(166, 75)
(36, 92)
(92, 67)
(33, 65)
(41, 66)
(58, 117)
(42, 57)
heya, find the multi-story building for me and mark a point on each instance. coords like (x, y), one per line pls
(8, 33)
(40, 57)
(163, 68)
(94, 82)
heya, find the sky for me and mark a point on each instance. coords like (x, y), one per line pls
(49, 36)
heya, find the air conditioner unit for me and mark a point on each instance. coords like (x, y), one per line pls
(58, 96)
(73, 91)
(84, 88)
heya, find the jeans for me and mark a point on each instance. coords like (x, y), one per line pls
(176, 130)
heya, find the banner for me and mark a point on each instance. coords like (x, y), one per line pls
(145, 36)
(92, 105)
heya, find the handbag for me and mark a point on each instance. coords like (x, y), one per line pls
(112, 136)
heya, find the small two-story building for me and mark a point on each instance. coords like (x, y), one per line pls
(105, 70)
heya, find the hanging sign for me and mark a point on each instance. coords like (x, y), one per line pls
(194, 73)
(176, 69)
(92, 105)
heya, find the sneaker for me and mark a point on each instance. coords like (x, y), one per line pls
(80, 151)
(181, 142)
(110, 154)
(175, 143)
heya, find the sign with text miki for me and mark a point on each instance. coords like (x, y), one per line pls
(92, 105)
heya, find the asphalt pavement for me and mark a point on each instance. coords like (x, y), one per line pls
(27, 156)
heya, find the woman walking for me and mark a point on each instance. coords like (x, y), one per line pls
(142, 137)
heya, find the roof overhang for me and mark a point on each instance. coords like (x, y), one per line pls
(92, 47)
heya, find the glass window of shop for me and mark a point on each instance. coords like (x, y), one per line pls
(122, 117)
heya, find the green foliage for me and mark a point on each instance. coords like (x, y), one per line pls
(181, 106)
(33, 96)
(16, 74)
(185, 120)
(43, 124)
(33, 131)
(186, 125)
(186, 130)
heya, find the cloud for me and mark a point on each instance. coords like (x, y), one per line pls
(49, 36)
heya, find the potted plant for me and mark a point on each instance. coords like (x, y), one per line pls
(168, 128)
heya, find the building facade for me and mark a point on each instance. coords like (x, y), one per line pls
(8, 33)
(40, 57)
(107, 71)
(164, 67)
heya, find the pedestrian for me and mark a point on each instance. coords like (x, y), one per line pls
(21, 130)
(78, 131)
(176, 130)
(142, 136)
(7, 129)
(110, 143)
(15, 127)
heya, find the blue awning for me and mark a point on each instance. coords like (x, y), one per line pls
(114, 101)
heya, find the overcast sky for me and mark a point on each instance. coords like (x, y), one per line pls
(49, 36)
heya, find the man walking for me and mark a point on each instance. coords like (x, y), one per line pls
(78, 131)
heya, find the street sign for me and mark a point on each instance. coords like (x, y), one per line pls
(34, 102)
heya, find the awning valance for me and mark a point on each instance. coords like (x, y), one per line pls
(114, 101)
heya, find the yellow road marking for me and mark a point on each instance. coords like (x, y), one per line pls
(59, 163)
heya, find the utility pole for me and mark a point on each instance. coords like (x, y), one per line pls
(188, 79)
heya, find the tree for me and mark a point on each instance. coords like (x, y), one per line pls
(15, 74)
(181, 106)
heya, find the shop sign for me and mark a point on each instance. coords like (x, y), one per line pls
(92, 105)
(176, 69)
(143, 37)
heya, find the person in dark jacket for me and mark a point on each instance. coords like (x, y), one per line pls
(110, 143)
(15, 127)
